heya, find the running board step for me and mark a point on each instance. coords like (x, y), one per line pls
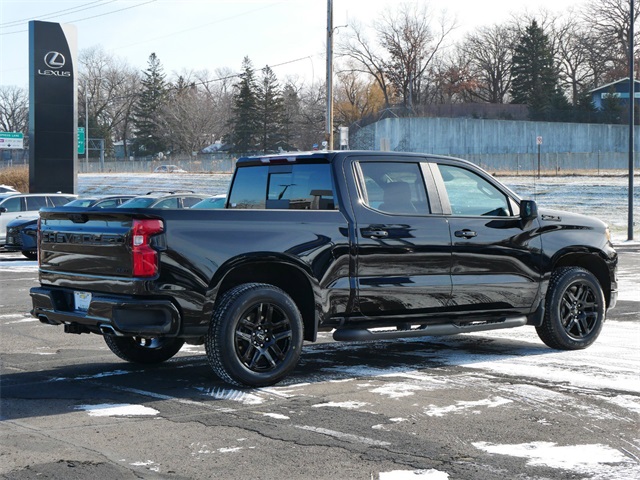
(363, 335)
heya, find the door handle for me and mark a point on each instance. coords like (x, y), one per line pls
(371, 233)
(465, 233)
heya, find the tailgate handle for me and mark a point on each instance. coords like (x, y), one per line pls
(78, 218)
(465, 233)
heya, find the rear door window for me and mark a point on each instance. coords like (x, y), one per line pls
(188, 202)
(167, 203)
(36, 202)
(394, 187)
(57, 201)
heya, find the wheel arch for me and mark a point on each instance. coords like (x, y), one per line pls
(590, 261)
(292, 278)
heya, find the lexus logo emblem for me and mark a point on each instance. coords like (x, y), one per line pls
(54, 60)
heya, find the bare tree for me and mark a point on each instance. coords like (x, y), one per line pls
(109, 87)
(312, 115)
(187, 118)
(218, 88)
(355, 97)
(574, 57)
(412, 44)
(14, 109)
(406, 47)
(611, 22)
(365, 59)
(487, 54)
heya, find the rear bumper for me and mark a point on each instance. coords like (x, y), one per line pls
(117, 315)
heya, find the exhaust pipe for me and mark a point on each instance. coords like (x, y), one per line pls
(107, 330)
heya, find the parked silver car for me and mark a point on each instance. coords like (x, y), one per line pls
(26, 206)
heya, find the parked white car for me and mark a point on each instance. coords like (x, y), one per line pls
(26, 206)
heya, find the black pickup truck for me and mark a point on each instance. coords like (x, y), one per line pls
(371, 245)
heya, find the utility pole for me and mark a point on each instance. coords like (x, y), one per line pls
(329, 129)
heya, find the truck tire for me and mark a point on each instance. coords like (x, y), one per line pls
(575, 310)
(143, 350)
(30, 255)
(255, 336)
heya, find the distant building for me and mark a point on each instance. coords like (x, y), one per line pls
(619, 89)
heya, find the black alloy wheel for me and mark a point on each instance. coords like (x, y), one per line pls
(255, 336)
(575, 310)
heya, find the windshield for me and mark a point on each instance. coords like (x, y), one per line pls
(80, 202)
(211, 203)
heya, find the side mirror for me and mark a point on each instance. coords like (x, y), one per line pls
(3, 209)
(528, 210)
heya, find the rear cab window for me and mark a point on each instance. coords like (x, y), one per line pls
(291, 186)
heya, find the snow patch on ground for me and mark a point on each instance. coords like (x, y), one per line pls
(91, 377)
(345, 405)
(277, 416)
(462, 406)
(26, 266)
(594, 459)
(230, 394)
(414, 475)
(117, 410)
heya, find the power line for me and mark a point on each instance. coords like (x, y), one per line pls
(219, 79)
(220, 20)
(53, 14)
(93, 16)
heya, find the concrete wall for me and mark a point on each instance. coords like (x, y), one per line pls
(504, 144)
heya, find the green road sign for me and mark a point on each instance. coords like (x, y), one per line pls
(11, 140)
(81, 141)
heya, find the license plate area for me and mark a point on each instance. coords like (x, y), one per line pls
(81, 301)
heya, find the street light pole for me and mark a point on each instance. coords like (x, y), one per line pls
(329, 129)
(632, 101)
(86, 127)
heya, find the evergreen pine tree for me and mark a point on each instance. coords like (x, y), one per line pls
(270, 112)
(585, 109)
(611, 107)
(534, 77)
(148, 110)
(244, 122)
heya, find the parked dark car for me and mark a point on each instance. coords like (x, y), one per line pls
(371, 245)
(22, 233)
(169, 169)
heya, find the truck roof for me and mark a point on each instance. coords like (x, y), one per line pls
(331, 155)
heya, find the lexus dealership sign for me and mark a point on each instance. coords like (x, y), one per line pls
(53, 109)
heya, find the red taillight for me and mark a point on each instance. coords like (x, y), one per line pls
(145, 258)
(38, 241)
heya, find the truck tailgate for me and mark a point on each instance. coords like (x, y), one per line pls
(89, 243)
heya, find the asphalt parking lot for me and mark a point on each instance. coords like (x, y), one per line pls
(495, 405)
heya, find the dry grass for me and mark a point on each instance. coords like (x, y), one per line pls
(16, 177)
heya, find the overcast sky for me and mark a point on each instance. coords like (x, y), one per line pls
(289, 35)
